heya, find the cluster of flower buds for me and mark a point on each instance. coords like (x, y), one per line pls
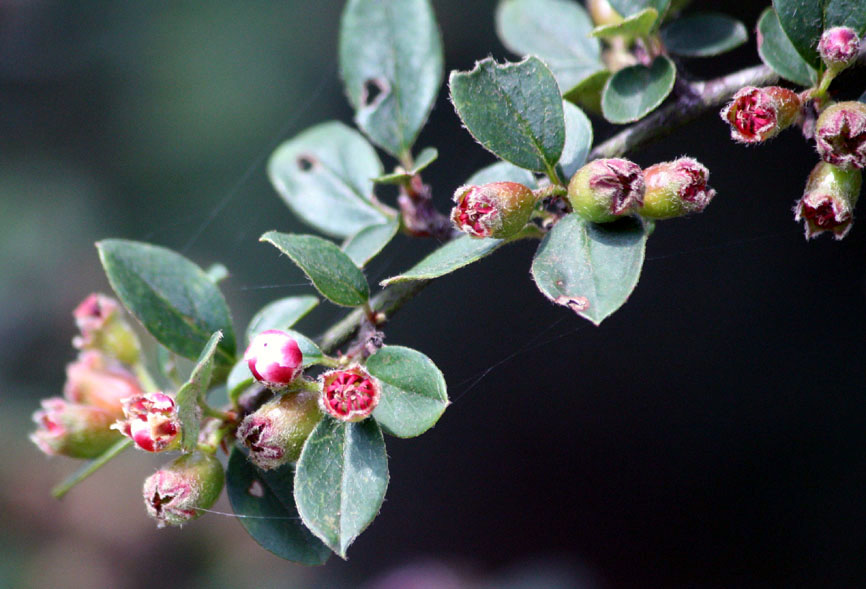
(499, 209)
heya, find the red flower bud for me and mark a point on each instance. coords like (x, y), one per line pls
(276, 432)
(181, 490)
(67, 429)
(151, 421)
(839, 47)
(498, 209)
(757, 114)
(840, 135)
(102, 327)
(676, 188)
(96, 380)
(605, 189)
(828, 201)
(349, 394)
(274, 358)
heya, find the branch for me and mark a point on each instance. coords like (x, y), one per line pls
(697, 98)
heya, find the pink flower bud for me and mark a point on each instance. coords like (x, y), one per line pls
(77, 431)
(606, 189)
(151, 421)
(183, 489)
(840, 135)
(274, 358)
(96, 380)
(102, 327)
(276, 432)
(349, 394)
(757, 114)
(498, 209)
(839, 47)
(676, 188)
(828, 201)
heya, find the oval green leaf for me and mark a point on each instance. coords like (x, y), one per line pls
(590, 268)
(587, 94)
(281, 314)
(265, 503)
(514, 110)
(193, 391)
(312, 354)
(413, 391)
(578, 139)
(173, 298)
(341, 479)
(805, 20)
(332, 272)
(635, 91)
(777, 51)
(391, 65)
(629, 7)
(637, 25)
(324, 176)
(704, 35)
(369, 241)
(450, 257)
(557, 31)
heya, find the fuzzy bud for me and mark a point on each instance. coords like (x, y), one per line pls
(178, 492)
(840, 135)
(349, 394)
(676, 188)
(96, 380)
(828, 201)
(68, 429)
(757, 114)
(151, 421)
(274, 358)
(605, 189)
(839, 47)
(498, 209)
(102, 327)
(276, 432)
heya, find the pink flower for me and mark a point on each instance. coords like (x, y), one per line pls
(349, 394)
(839, 47)
(757, 114)
(840, 135)
(676, 188)
(68, 429)
(274, 358)
(151, 421)
(498, 209)
(96, 380)
(605, 189)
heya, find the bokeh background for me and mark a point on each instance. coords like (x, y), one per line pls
(710, 434)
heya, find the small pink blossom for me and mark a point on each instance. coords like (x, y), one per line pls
(274, 358)
(151, 421)
(349, 394)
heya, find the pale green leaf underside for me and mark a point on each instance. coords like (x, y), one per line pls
(777, 51)
(450, 257)
(635, 91)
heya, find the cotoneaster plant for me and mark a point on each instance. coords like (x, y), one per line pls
(305, 423)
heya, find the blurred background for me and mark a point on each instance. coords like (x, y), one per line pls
(710, 434)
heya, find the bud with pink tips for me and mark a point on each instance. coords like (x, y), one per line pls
(97, 380)
(758, 114)
(182, 490)
(276, 432)
(499, 209)
(349, 394)
(676, 188)
(605, 189)
(839, 47)
(840, 135)
(151, 421)
(828, 201)
(102, 326)
(274, 358)
(68, 429)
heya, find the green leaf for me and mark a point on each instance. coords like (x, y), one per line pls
(324, 176)
(332, 272)
(704, 35)
(629, 7)
(590, 268)
(637, 25)
(777, 51)
(265, 504)
(578, 139)
(557, 31)
(173, 298)
(587, 94)
(193, 391)
(450, 257)
(312, 353)
(239, 380)
(394, 50)
(413, 391)
(341, 479)
(503, 172)
(89, 467)
(514, 110)
(805, 20)
(427, 156)
(281, 314)
(637, 90)
(369, 241)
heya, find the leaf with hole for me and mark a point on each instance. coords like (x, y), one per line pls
(514, 110)
(281, 314)
(193, 391)
(173, 298)
(450, 257)
(635, 91)
(635, 26)
(578, 139)
(324, 176)
(805, 20)
(341, 479)
(557, 31)
(332, 272)
(391, 65)
(413, 391)
(369, 241)
(590, 268)
(704, 35)
(777, 51)
(265, 504)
